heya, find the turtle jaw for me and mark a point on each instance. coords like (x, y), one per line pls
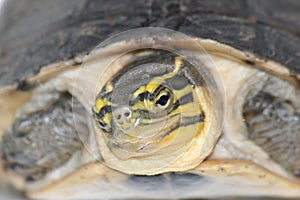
(143, 139)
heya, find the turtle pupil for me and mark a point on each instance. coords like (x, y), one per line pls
(163, 100)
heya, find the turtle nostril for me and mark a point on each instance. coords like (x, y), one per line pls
(127, 114)
(122, 114)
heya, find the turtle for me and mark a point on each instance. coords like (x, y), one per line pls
(207, 108)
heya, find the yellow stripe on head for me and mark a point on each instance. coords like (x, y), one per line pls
(100, 103)
(151, 87)
(139, 91)
(183, 91)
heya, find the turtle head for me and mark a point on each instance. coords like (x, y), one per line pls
(149, 113)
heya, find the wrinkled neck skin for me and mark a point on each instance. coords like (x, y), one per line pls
(229, 161)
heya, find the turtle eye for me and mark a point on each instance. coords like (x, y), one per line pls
(163, 100)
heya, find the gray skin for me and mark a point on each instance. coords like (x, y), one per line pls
(32, 35)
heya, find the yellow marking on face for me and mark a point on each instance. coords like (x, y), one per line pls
(182, 134)
(141, 90)
(189, 132)
(99, 104)
(151, 87)
(184, 91)
(141, 105)
(106, 119)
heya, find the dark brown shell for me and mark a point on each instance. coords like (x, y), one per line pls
(37, 33)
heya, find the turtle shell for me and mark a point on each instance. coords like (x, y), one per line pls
(269, 29)
(36, 38)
